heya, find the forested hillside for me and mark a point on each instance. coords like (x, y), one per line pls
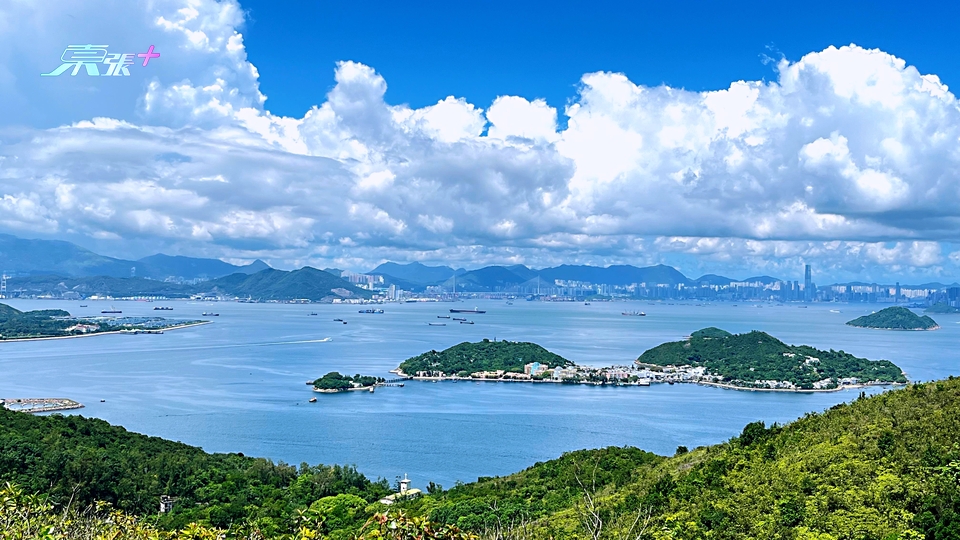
(885, 467)
(88, 460)
(743, 359)
(466, 358)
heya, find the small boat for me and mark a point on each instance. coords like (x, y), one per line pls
(466, 322)
(312, 313)
(344, 322)
(634, 313)
(338, 320)
(443, 316)
(83, 305)
(586, 303)
(371, 311)
(459, 319)
(312, 400)
(103, 401)
(834, 311)
(209, 314)
(163, 308)
(509, 303)
(436, 324)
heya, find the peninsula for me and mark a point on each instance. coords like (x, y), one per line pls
(759, 361)
(16, 325)
(895, 318)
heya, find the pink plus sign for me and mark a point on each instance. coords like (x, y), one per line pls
(148, 55)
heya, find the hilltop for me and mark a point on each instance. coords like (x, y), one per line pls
(755, 359)
(16, 324)
(895, 318)
(486, 355)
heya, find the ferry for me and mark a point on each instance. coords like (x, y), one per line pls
(209, 314)
(338, 320)
(163, 308)
(474, 310)
(370, 311)
(634, 313)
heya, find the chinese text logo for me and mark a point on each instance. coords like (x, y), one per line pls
(91, 56)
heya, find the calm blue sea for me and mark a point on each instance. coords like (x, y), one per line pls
(237, 385)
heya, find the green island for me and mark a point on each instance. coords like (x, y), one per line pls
(941, 307)
(488, 357)
(761, 361)
(895, 318)
(881, 467)
(335, 382)
(53, 323)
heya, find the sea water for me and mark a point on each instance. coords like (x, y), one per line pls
(238, 384)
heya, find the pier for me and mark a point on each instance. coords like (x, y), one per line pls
(38, 405)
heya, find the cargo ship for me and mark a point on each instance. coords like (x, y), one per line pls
(474, 310)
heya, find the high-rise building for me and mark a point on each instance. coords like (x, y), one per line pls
(807, 283)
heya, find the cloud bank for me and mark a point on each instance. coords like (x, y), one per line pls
(849, 159)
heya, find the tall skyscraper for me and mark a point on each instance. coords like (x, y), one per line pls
(807, 283)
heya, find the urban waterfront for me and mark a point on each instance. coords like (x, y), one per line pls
(238, 385)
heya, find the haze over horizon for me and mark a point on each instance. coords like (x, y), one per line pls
(839, 155)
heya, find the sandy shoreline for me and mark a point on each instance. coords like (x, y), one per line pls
(94, 334)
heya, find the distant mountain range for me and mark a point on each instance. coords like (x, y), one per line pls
(492, 278)
(20, 256)
(270, 284)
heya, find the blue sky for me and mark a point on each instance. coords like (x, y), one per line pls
(735, 140)
(481, 50)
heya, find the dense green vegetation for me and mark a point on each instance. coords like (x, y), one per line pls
(895, 318)
(539, 491)
(336, 381)
(467, 358)
(742, 359)
(942, 308)
(88, 460)
(19, 324)
(885, 467)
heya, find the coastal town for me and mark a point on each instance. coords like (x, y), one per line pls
(637, 374)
